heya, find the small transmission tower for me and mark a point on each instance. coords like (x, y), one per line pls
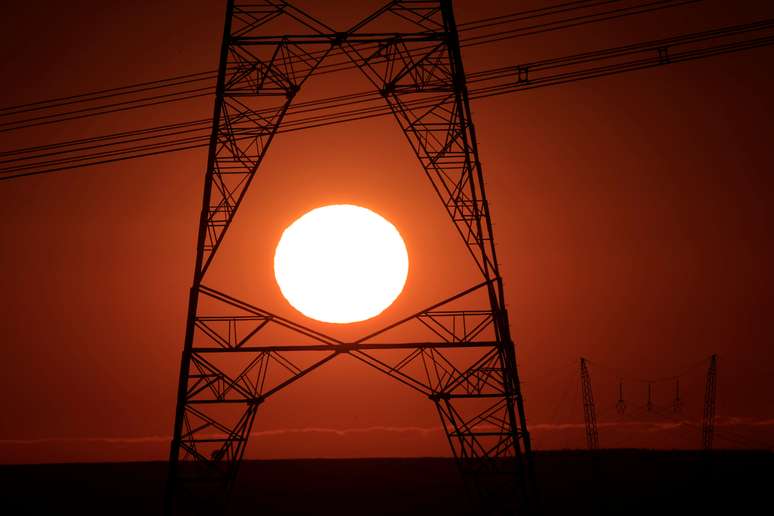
(649, 403)
(409, 51)
(710, 391)
(589, 410)
(620, 405)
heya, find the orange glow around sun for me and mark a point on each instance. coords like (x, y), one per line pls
(341, 264)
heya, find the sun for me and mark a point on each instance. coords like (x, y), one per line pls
(341, 264)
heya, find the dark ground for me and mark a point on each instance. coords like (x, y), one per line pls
(622, 482)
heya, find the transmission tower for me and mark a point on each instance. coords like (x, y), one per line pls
(708, 423)
(410, 53)
(589, 410)
(649, 403)
(620, 405)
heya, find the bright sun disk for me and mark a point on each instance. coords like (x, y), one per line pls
(341, 264)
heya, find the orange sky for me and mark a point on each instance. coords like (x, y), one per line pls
(632, 216)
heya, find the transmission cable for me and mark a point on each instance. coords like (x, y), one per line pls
(306, 122)
(323, 69)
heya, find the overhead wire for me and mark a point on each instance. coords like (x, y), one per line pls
(682, 371)
(656, 410)
(212, 74)
(323, 69)
(352, 99)
(79, 114)
(352, 115)
(106, 137)
(578, 21)
(108, 93)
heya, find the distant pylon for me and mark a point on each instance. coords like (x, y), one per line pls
(708, 424)
(649, 404)
(620, 405)
(589, 410)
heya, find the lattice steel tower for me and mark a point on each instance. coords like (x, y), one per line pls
(589, 409)
(710, 395)
(410, 53)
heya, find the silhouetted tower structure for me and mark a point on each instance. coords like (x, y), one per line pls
(589, 410)
(620, 405)
(649, 403)
(409, 51)
(710, 391)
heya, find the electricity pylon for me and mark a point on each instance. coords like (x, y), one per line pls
(409, 51)
(710, 392)
(649, 403)
(620, 405)
(589, 409)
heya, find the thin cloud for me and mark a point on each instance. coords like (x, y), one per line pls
(423, 431)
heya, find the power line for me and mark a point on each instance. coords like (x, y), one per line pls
(578, 21)
(108, 93)
(323, 69)
(106, 137)
(211, 74)
(494, 82)
(100, 110)
(682, 371)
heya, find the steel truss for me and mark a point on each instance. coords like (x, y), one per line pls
(467, 367)
(589, 408)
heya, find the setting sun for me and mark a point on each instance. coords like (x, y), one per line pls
(341, 264)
